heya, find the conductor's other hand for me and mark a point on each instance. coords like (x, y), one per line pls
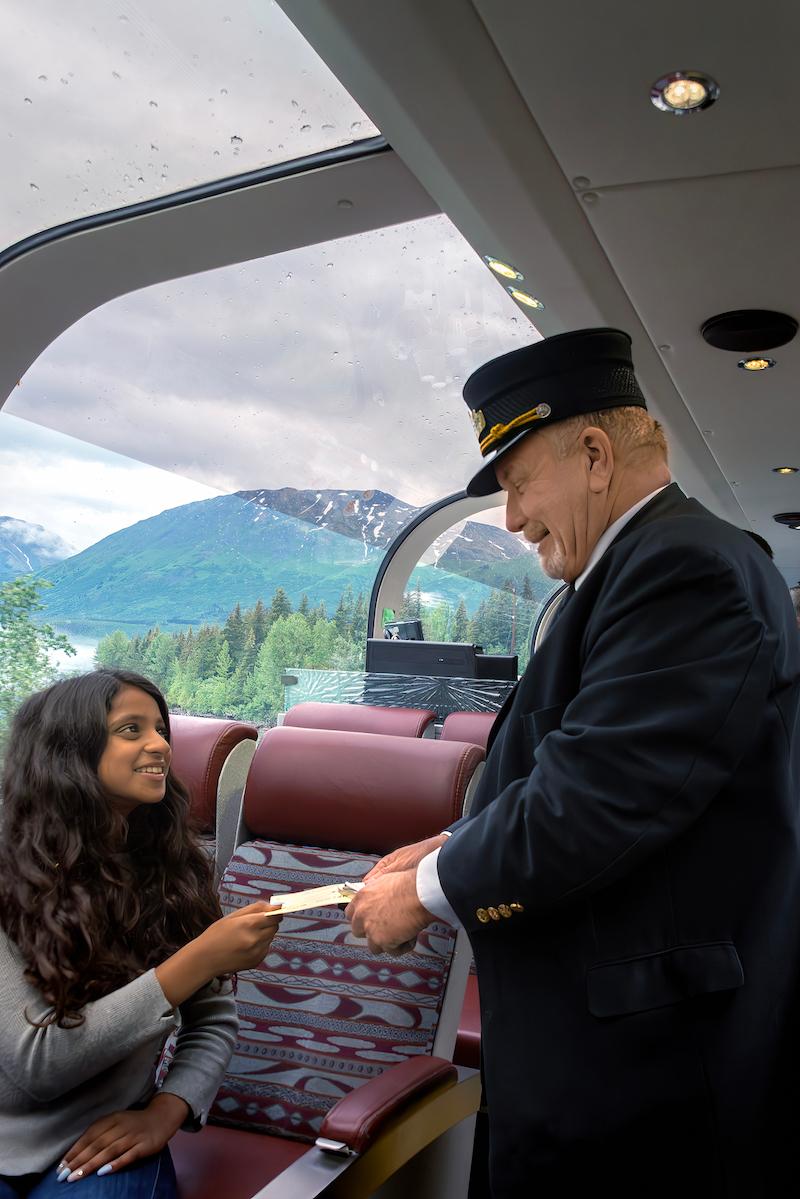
(388, 913)
(240, 940)
(408, 857)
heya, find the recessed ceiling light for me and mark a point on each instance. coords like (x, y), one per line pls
(785, 470)
(792, 519)
(684, 92)
(502, 268)
(523, 297)
(756, 364)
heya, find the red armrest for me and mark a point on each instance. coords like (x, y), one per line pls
(354, 1120)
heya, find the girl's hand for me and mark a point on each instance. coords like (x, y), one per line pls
(122, 1138)
(240, 940)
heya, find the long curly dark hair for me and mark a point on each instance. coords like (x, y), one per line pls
(90, 899)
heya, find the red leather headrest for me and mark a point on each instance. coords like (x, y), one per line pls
(359, 718)
(199, 750)
(473, 727)
(360, 791)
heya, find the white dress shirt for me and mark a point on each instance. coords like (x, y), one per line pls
(429, 889)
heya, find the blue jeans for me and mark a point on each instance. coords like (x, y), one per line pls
(150, 1178)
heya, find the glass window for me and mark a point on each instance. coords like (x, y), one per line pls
(103, 105)
(309, 403)
(481, 585)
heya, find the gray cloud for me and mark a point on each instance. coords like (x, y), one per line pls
(334, 365)
(108, 104)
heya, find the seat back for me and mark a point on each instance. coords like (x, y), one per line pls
(362, 718)
(211, 758)
(322, 1015)
(473, 727)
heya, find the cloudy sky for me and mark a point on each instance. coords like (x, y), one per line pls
(339, 365)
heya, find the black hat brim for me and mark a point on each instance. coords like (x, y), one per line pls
(484, 482)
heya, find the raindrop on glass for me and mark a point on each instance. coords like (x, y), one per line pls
(154, 104)
(34, 186)
(235, 139)
(305, 128)
(43, 79)
(115, 75)
(223, 91)
(28, 100)
(354, 128)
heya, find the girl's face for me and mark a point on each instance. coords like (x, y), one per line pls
(134, 764)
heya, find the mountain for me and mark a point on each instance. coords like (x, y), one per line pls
(492, 556)
(191, 565)
(25, 547)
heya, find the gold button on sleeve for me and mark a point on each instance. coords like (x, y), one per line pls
(493, 912)
(483, 915)
(504, 909)
(516, 907)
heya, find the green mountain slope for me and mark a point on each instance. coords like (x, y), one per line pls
(193, 564)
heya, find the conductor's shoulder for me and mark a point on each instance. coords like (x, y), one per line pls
(696, 543)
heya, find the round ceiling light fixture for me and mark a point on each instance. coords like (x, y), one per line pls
(785, 470)
(524, 297)
(502, 268)
(684, 92)
(790, 519)
(756, 364)
(748, 330)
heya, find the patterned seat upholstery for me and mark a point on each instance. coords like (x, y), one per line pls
(321, 1016)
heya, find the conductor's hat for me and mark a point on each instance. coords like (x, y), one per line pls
(562, 376)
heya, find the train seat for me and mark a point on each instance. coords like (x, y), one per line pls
(468, 1041)
(473, 727)
(335, 1043)
(211, 758)
(361, 718)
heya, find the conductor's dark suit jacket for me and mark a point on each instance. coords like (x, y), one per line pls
(630, 878)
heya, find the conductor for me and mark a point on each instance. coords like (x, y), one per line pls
(629, 874)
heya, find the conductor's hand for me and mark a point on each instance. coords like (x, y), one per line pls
(388, 913)
(240, 940)
(408, 857)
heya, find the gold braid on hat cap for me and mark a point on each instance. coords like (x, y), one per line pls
(540, 412)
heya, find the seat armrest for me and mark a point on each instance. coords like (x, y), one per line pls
(353, 1122)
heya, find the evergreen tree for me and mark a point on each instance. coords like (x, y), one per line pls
(461, 622)
(256, 619)
(113, 650)
(24, 645)
(234, 632)
(343, 616)
(280, 606)
(527, 590)
(358, 624)
(159, 659)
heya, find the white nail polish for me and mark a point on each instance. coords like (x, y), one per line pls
(104, 1170)
(62, 1174)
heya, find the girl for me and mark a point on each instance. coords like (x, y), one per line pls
(110, 939)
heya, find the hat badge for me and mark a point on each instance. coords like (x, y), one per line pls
(542, 411)
(478, 421)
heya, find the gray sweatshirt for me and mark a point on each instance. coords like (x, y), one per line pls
(55, 1082)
